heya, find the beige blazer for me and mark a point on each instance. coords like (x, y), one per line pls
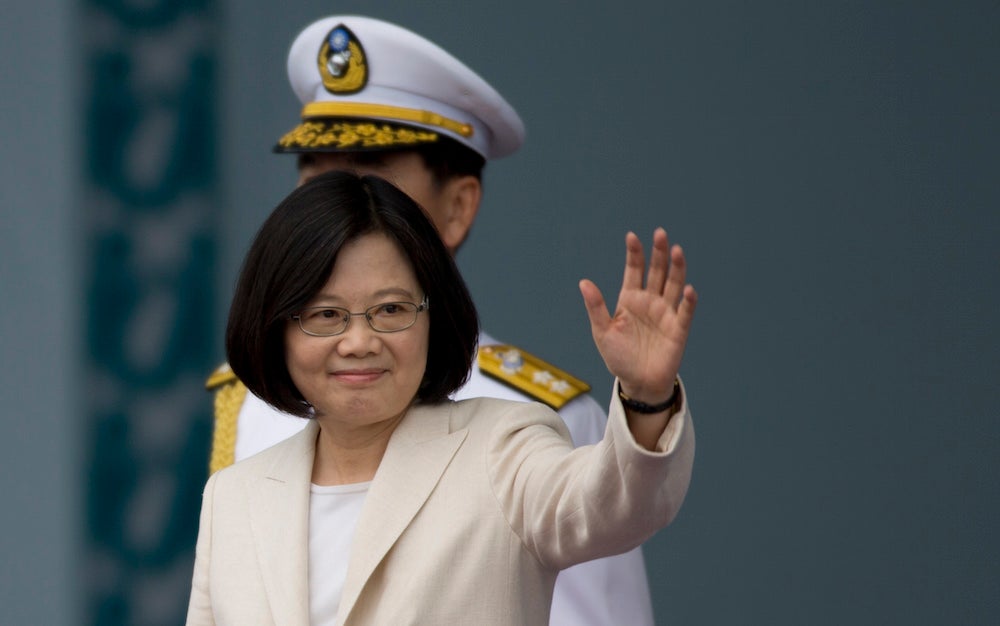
(474, 509)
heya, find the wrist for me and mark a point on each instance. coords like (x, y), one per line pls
(645, 408)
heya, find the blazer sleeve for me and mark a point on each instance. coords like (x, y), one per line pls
(200, 606)
(573, 505)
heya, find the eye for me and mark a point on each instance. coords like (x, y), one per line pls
(323, 314)
(389, 309)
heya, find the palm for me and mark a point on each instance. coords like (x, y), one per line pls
(643, 343)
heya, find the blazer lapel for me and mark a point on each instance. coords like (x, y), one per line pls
(279, 518)
(418, 453)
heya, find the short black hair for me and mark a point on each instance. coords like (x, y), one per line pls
(291, 258)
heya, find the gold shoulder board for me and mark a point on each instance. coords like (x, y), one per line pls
(229, 396)
(222, 375)
(530, 375)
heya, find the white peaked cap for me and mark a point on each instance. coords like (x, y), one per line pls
(366, 84)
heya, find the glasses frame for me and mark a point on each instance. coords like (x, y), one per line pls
(367, 314)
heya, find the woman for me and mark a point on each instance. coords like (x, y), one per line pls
(396, 505)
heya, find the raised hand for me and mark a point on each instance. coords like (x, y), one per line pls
(643, 343)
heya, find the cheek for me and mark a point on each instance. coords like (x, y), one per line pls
(431, 200)
(299, 355)
(417, 351)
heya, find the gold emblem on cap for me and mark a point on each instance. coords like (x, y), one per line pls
(341, 62)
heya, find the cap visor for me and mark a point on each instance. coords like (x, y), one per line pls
(352, 135)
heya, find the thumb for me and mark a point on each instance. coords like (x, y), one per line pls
(597, 310)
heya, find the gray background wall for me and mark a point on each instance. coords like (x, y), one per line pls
(830, 169)
(39, 312)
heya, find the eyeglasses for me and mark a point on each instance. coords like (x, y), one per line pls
(387, 317)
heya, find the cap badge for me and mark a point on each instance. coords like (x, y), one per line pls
(342, 62)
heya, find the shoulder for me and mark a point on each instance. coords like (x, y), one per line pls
(275, 461)
(220, 377)
(241, 471)
(496, 415)
(528, 375)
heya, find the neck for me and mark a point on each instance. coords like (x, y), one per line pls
(345, 456)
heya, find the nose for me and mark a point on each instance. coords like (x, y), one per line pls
(359, 339)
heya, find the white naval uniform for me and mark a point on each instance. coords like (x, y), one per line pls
(612, 591)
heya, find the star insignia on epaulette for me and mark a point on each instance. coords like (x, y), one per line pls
(532, 376)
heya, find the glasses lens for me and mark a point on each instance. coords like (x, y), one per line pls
(392, 316)
(324, 320)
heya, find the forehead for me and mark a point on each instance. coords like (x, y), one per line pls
(372, 265)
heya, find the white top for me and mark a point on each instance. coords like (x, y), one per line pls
(333, 517)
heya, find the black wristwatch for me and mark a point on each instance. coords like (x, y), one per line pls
(647, 409)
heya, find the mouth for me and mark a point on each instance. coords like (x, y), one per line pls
(358, 376)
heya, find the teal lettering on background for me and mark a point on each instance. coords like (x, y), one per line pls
(149, 198)
(115, 121)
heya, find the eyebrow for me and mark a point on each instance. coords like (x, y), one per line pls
(381, 295)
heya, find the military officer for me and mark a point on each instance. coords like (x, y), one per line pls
(380, 99)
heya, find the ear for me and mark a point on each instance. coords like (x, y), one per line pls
(461, 200)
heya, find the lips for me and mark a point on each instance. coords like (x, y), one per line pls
(358, 376)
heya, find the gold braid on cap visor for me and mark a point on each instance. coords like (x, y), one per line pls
(360, 109)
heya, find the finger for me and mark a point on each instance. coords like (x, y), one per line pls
(635, 261)
(659, 263)
(678, 274)
(597, 309)
(685, 311)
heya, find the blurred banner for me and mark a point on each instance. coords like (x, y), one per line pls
(149, 203)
